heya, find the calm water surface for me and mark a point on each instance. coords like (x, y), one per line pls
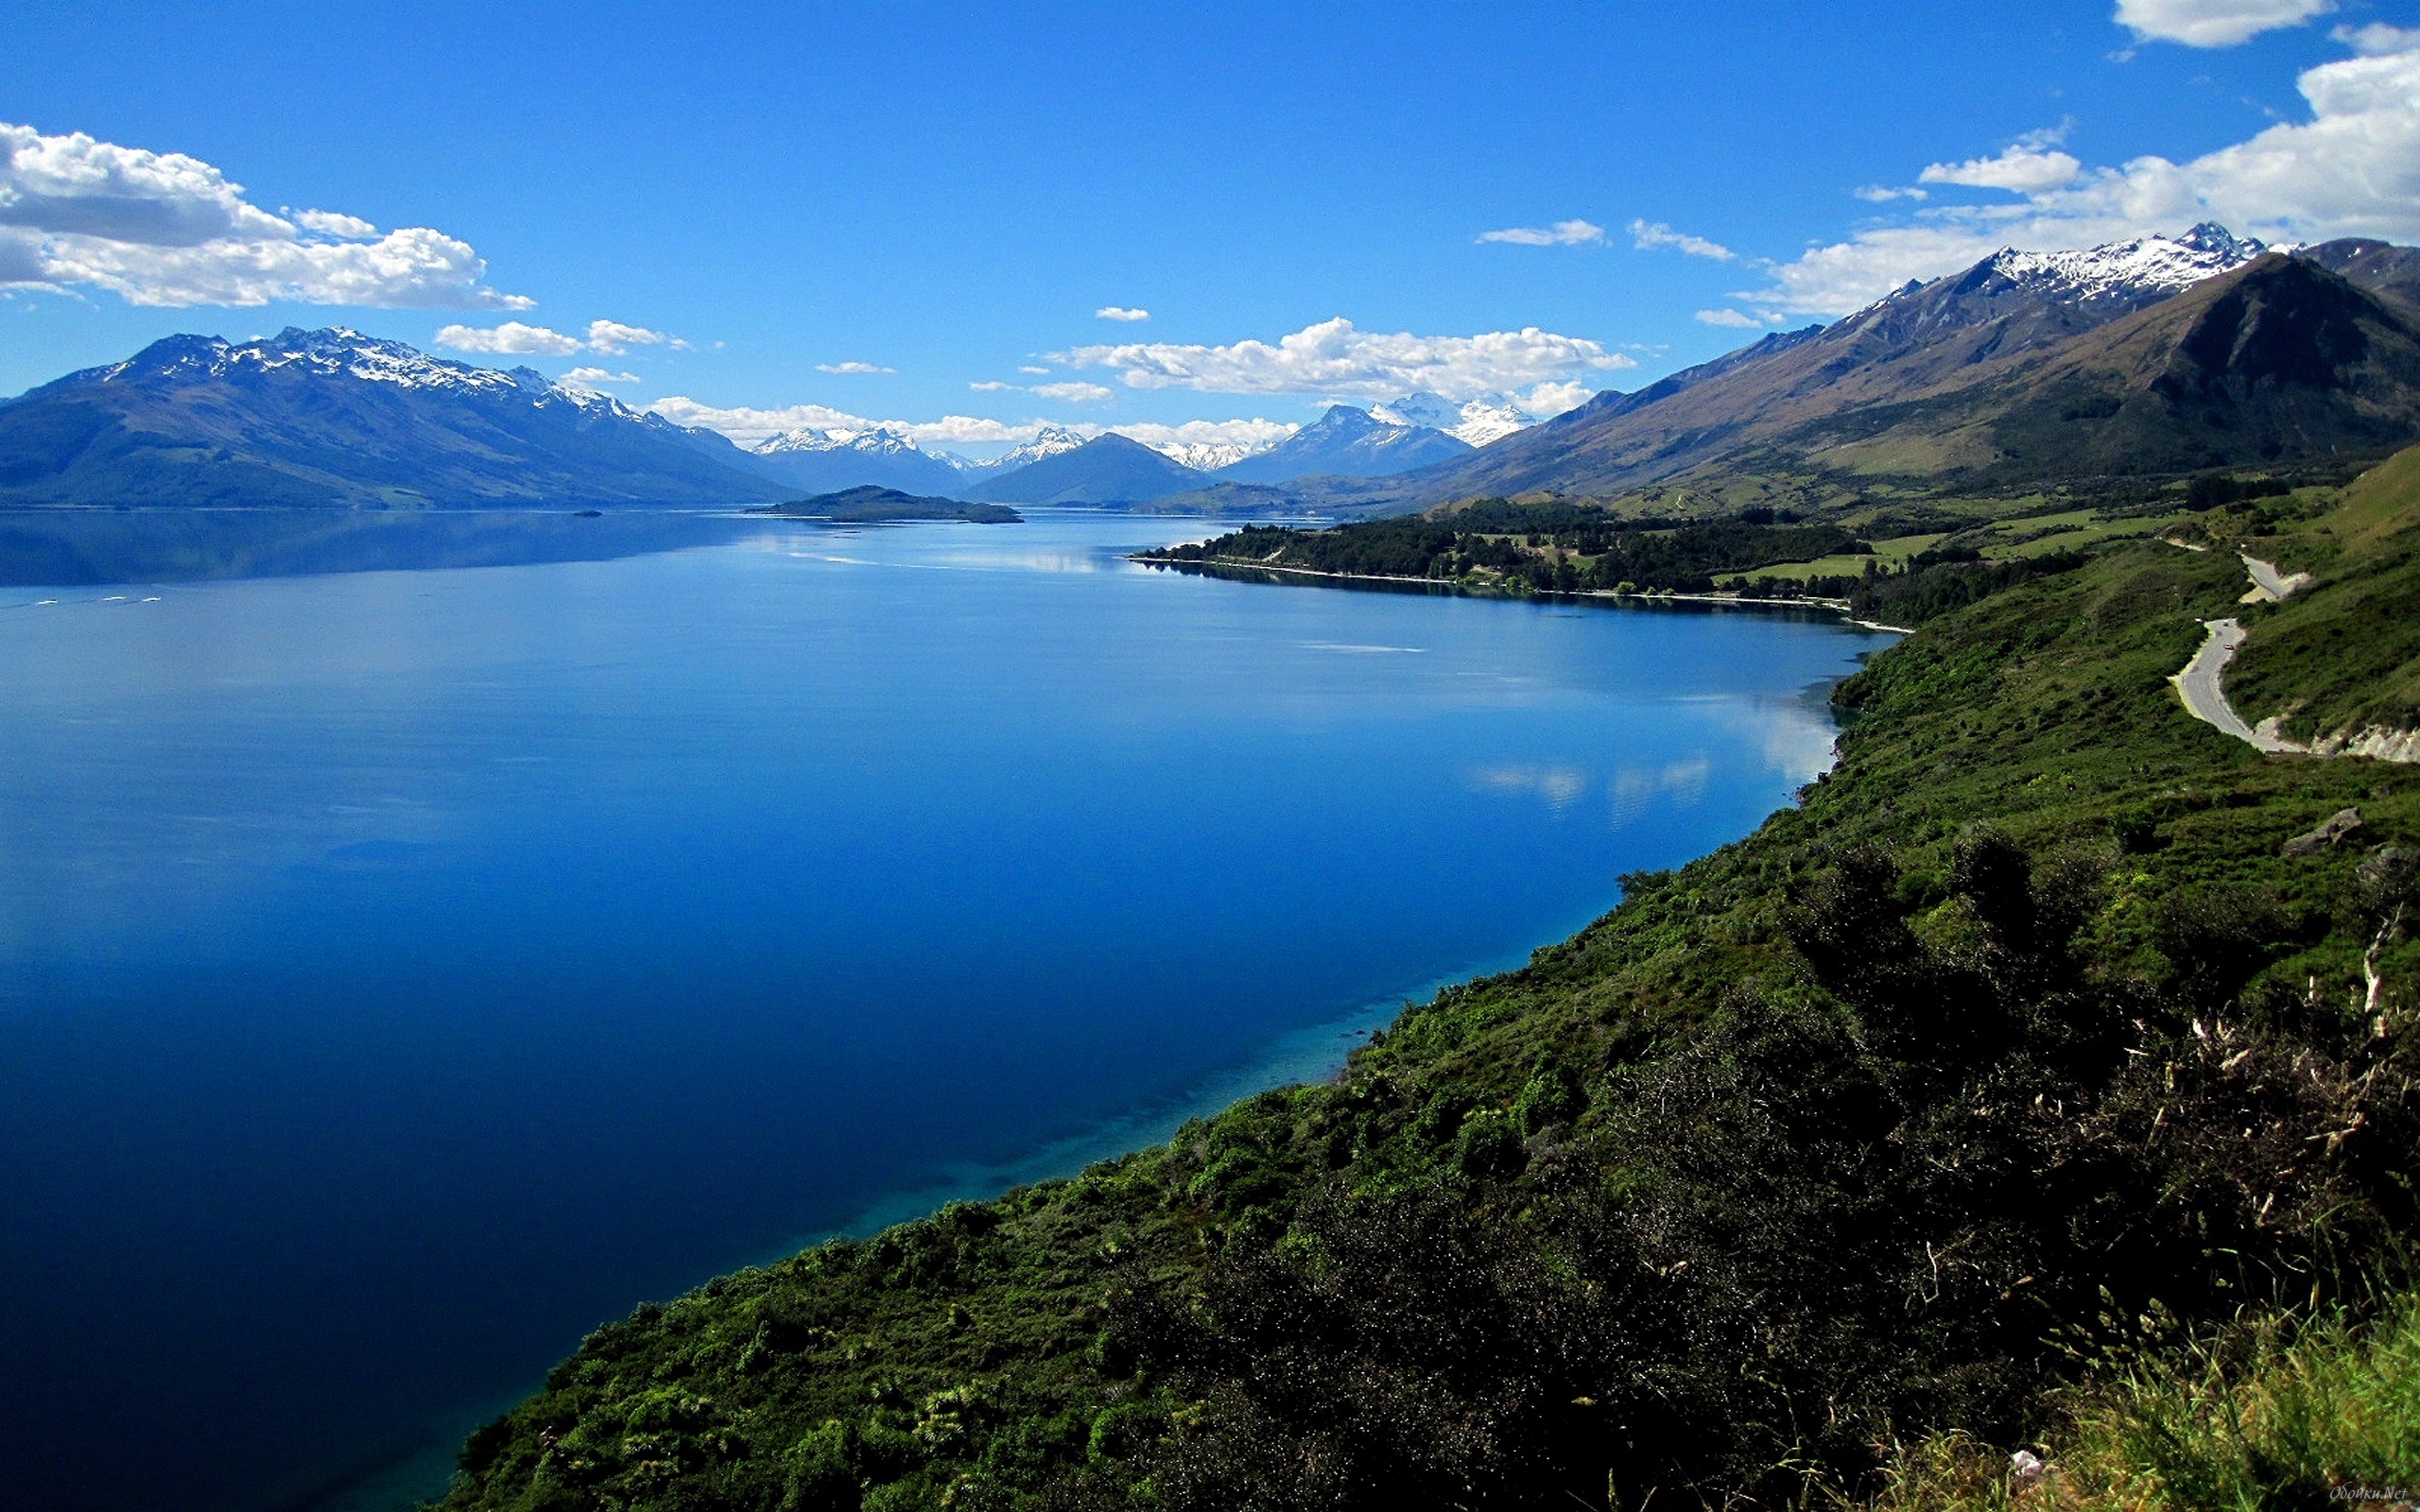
(402, 971)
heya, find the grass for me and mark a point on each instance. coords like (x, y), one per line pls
(2267, 1414)
(1890, 552)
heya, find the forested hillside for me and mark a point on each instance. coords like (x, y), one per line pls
(2026, 1040)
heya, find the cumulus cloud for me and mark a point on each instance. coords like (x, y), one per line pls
(2351, 169)
(850, 367)
(1877, 193)
(609, 337)
(1561, 233)
(2376, 38)
(991, 385)
(600, 375)
(1736, 318)
(1334, 358)
(1254, 435)
(512, 338)
(1119, 312)
(1546, 401)
(166, 228)
(614, 339)
(1074, 392)
(335, 223)
(1036, 371)
(1649, 236)
(2021, 168)
(2214, 22)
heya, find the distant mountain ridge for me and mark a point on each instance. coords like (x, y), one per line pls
(1473, 421)
(1346, 443)
(335, 418)
(1109, 469)
(828, 461)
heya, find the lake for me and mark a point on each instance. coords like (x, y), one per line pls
(404, 971)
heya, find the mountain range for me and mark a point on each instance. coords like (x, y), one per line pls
(2148, 357)
(2153, 356)
(336, 417)
(1347, 442)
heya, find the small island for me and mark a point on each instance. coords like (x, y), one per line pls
(870, 505)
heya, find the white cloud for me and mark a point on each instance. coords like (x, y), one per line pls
(992, 386)
(1334, 358)
(599, 375)
(2376, 38)
(1119, 312)
(165, 229)
(2352, 169)
(614, 339)
(335, 223)
(1877, 194)
(1077, 393)
(609, 338)
(512, 338)
(1561, 233)
(1036, 371)
(1255, 434)
(2214, 22)
(1650, 236)
(1546, 401)
(2021, 168)
(1736, 318)
(850, 367)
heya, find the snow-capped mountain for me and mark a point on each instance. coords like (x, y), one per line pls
(828, 461)
(1209, 457)
(2148, 357)
(1347, 442)
(1109, 469)
(881, 440)
(2125, 269)
(1478, 422)
(333, 416)
(323, 353)
(1049, 441)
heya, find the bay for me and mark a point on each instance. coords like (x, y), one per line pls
(404, 971)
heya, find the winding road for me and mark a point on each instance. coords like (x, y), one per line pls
(2198, 685)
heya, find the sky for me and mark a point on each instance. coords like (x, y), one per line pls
(1185, 222)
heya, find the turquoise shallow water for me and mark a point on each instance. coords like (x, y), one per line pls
(404, 971)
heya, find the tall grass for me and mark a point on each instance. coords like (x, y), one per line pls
(2276, 1413)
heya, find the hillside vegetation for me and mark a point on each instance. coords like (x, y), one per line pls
(1888, 1126)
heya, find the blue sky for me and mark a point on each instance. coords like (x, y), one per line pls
(948, 194)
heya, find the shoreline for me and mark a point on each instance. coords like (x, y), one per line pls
(1837, 605)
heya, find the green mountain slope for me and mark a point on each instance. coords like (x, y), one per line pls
(1854, 1131)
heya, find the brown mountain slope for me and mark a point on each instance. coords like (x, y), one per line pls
(2279, 361)
(1952, 384)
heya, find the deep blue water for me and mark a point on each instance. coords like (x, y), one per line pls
(402, 972)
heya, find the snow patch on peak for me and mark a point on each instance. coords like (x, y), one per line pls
(881, 440)
(2139, 265)
(1478, 422)
(1049, 441)
(1208, 456)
